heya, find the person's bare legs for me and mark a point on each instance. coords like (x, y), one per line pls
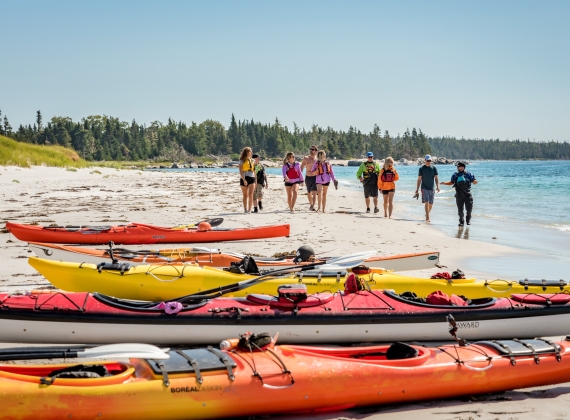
(289, 196)
(324, 190)
(428, 207)
(294, 192)
(250, 191)
(385, 197)
(375, 199)
(244, 198)
(312, 196)
(367, 202)
(319, 197)
(390, 203)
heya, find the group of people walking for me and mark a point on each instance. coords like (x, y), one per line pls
(375, 179)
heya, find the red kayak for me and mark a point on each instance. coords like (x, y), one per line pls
(299, 318)
(139, 234)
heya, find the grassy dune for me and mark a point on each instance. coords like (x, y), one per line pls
(24, 154)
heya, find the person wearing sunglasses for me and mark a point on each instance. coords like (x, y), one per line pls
(310, 177)
(247, 178)
(293, 177)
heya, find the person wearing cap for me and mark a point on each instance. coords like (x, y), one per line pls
(429, 182)
(461, 181)
(261, 179)
(368, 175)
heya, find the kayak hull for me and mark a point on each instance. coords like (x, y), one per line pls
(139, 233)
(364, 316)
(154, 282)
(289, 379)
(213, 258)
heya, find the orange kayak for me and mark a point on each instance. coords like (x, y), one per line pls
(140, 233)
(214, 257)
(206, 383)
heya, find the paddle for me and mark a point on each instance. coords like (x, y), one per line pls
(110, 351)
(213, 222)
(235, 287)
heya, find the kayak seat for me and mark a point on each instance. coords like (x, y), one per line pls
(410, 298)
(398, 351)
(141, 306)
(532, 347)
(81, 371)
(190, 361)
(542, 299)
(284, 304)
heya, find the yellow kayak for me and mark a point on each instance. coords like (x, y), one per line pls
(163, 282)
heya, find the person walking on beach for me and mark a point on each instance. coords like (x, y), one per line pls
(325, 175)
(247, 178)
(261, 182)
(368, 174)
(429, 181)
(293, 177)
(310, 177)
(461, 181)
(387, 185)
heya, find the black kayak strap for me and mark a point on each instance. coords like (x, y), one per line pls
(224, 358)
(194, 365)
(162, 368)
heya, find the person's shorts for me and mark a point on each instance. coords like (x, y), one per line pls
(258, 193)
(311, 183)
(326, 184)
(428, 196)
(290, 184)
(370, 190)
(385, 192)
(250, 180)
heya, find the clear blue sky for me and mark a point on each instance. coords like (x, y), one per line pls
(487, 69)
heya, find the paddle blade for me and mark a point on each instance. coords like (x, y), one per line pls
(121, 351)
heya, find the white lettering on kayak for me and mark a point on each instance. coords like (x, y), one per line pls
(467, 325)
(195, 388)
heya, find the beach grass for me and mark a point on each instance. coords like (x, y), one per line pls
(16, 153)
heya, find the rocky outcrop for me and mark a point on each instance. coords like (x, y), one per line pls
(354, 162)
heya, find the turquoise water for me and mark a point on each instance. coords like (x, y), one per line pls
(522, 204)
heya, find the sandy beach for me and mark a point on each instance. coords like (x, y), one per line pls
(103, 196)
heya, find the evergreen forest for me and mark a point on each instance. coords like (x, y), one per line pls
(98, 138)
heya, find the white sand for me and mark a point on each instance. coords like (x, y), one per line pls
(55, 195)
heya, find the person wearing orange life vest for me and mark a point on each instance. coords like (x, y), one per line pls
(387, 185)
(368, 174)
(325, 174)
(293, 177)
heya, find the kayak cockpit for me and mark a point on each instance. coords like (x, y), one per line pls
(88, 374)
(395, 354)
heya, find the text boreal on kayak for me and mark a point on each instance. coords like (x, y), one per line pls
(214, 257)
(343, 317)
(163, 282)
(206, 383)
(140, 233)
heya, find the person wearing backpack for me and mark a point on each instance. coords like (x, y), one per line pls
(293, 177)
(368, 174)
(387, 185)
(461, 181)
(324, 174)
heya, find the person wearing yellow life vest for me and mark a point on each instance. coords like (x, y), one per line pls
(368, 174)
(247, 178)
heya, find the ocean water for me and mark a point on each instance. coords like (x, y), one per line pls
(522, 204)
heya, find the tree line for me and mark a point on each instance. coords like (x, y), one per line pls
(98, 138)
